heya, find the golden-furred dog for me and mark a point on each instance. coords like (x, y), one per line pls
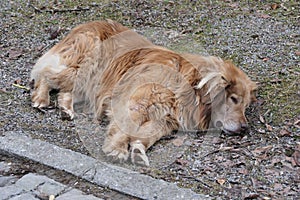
(146, 90)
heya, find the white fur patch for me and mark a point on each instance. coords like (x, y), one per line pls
(49, 61)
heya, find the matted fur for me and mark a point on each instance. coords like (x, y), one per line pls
(146, 90)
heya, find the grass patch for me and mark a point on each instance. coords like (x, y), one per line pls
(282, 97)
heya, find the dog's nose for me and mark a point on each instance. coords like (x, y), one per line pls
(244, 126)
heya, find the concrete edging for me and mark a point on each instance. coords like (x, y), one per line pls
(92, 170)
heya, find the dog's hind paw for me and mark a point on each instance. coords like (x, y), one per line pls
(138, 154)
(40, 98)
(40, 102)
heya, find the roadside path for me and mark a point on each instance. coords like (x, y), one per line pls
(35, 187)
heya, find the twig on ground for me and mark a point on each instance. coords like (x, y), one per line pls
(218, 150)
(78, 9)
(198, 180)
(55, 10)
(21, 86)
(35, 8)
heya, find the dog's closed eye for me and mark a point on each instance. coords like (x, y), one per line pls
(234, 99)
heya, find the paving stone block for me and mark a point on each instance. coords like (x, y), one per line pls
(50, 187)
(7, 180)
(31, 181)
(41, 185)
(26, 196)
(9, 191)
(75, 194)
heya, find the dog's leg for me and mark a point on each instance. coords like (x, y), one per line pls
(49, 79)
(116, 144)
(65, 102)
(40, 95)
(149, 132)
(47, 66)
(64, 81)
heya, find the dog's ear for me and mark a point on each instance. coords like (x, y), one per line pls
(212, 86)
(219, 89)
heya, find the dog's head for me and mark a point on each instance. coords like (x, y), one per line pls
(228, 91)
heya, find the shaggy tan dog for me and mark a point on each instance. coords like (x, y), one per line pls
(146, 90)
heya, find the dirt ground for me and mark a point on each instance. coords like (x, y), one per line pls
(261, 37)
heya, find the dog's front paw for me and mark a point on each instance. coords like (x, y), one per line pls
(138, 153)
(116, 154)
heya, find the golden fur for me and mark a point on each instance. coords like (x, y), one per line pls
(146, 90)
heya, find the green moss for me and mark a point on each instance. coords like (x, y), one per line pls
(281, 98)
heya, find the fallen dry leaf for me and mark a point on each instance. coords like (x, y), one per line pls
(243, 171)
(269, 128)
(274, 6)
(266, 198)
(296, 156)
(234, 5)
(297, 123)
(14, 54)
(276, 160)
(276, 81)
(284, 132)
(261, 119)
(179, 141)
(3, 90)
(261, 130)
(182, 162)
(271, 172)
(225, 148)
(18, 81)
(54, 32)
(266, 59)
(260, 150)
(260, 102)
(286, 189)
(40, 48)
(216, 140)
(298, 146)
(251, 196)
(227, 163)
(277, 186)
(264, 16)
(291, 160)
(221, 181)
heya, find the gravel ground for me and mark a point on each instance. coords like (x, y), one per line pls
(262, 37)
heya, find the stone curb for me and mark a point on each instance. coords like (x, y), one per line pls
(33, 187)
(92, 170)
